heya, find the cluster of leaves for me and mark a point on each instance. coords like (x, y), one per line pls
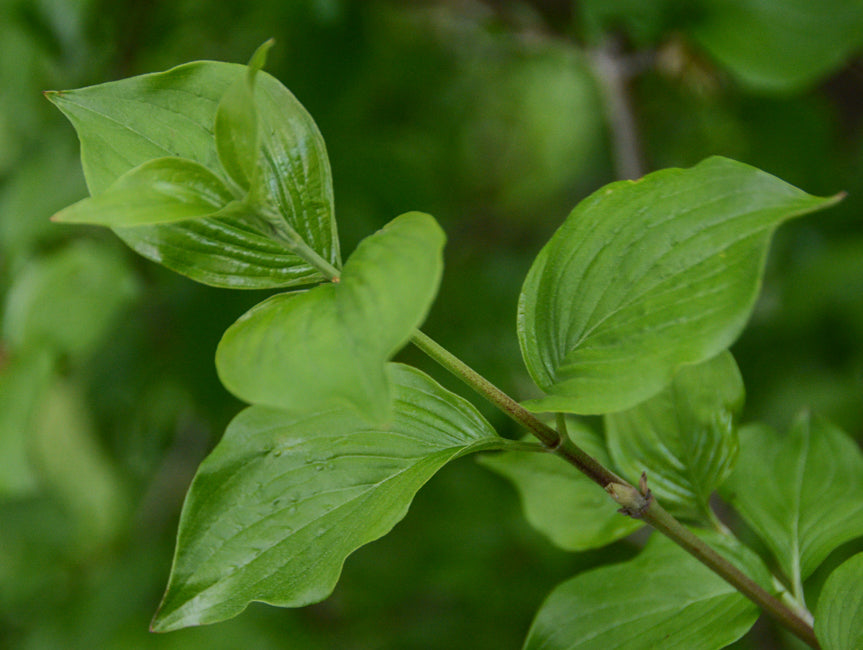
(217, 172)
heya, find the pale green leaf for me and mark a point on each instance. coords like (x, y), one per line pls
(64, 450)
(161, 190)
(68, 300)
(839, 615)
(684, 437)
(647, 276)
(123, 124)
(780, 45)
(802, 492)
(329, 345)
(663, 598)
(236, 128)
(24, 379)
(284, 498)
(561, 502)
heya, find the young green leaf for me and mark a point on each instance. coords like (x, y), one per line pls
(123, 124)
(561, 502)
(284, 498)
(328, 346)
(839, 615)
(663, 598)
(782, 45)
(647, 276)
(684, 437)
(236, 128)
(158, 191)
(801, 492)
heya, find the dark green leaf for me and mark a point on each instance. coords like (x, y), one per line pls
(801, 492)
(663, 598)
(647, 276)
(329, 345)
(780, 45)
(839, 616)
(236, 128)
(684, 437)
(159, 191)
(561, 502)
(283, 499)
(123, 124)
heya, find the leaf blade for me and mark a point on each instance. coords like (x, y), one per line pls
(684, 437)
(162, 190)
(661, 598)
(645, 277)
(329, 345)
(839, 612)
(311, 488)
(817, 464)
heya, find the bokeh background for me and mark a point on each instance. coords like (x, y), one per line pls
(496, 117)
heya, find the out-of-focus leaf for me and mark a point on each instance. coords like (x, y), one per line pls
(561, 502)
(161, 190)
(801, 492)
(68, 300)
(23, 382)
(123, 124)
(839, 615)
(64, 451)
(328, 346)
(663, 598)
(647, 276)
(684, 437)
(781, 45)
(284, 498)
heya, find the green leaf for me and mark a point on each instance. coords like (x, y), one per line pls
(236, 128)
(123, 124)
(663, 598)
(839, 615)
(801, 492)
(684, 437)
(158, 191)
(647, 276)
(283, 499)
(69, 300)
(329, 345)
(24, 379)
(781, 45)
(561, 502)
(64, 449)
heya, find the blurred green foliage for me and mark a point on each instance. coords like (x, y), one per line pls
(487, 115)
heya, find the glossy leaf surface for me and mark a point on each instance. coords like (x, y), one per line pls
(781, 45)
(329, 345)
(283, 499)
(159, 191)
(647, 276)
(561, 502)
(802, 492)
(684, 437)
(839, 615)
(663, 598)
(125, 123)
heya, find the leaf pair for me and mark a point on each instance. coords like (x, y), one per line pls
(182, 164)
